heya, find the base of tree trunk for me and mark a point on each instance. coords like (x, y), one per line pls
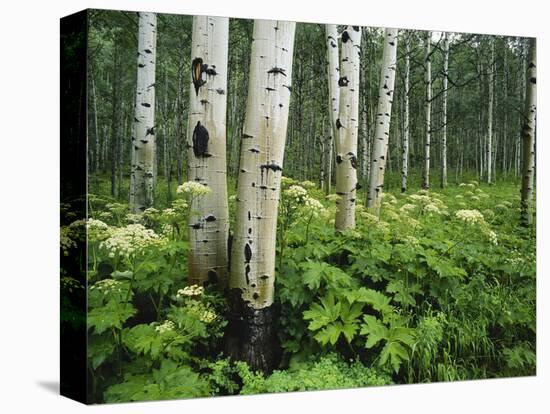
(251, 335)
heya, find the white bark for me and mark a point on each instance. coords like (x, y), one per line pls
(143, 135)
(206, 155)
(427, 110)
(261, 160)
(406, 127)
(489, 148)
(334, 97)
(528, 137)
(348, 127)
(383, 120)
(444, 131)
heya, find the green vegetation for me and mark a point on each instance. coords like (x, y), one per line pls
(441, 287)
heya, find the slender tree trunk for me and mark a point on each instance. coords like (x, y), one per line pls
(383, 120)
(489, 148)
(528, 137)
(251, 333)
(142, 174)
(406, 133)
(206, 155)
(96, 126)
(348, 127)
(334, 98)
(115, 103)
(427, 110)
(444, 128)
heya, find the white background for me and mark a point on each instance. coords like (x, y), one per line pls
(29, 170)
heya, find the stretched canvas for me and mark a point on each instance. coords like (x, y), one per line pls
(260, 206)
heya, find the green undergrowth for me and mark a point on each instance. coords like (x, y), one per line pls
(439, 287)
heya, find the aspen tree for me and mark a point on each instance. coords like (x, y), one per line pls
(383, 120)
(489, 147)
(206, 155)
(347, 125)
(252, 336)
(528, 133)
(406, 126)
(427, 109)
(143, 135)
(444, 129)
(334, 98)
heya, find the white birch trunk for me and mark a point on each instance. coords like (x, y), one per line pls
(406, 127)
(334, 97)
(143, 135)
(348, 127)
(528, 137)
(489, 148)
(206, 155)
(262, 151)
(444, 130)
(383, 120)
(427, 110)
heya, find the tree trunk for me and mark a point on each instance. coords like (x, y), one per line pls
(143, 136)
(251, 332)
(427, 110)
(406, 137)
(489, 148)
(528, 136)
(115, 109)
(347, 125)
(206, 155)
(334, 98)
(383, 120)
(444, 128)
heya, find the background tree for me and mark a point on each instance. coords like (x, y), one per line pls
(142, 176)
(334, 100)
(348, 126)
(383, 120)
(528, 136)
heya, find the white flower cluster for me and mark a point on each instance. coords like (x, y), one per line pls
(295, 191)
(470, 216)
(202, 312)
(193, 188)
(97, 230)
(420, 198)
(169, 214)
(133, 218)
(129, 240)
(107, 286)
(180, 206)
(166, 326)
(314, 206)
(468, 185)
(474, 198)
(406, 208)
(65, 240)
(412, 241)
(287, 181)
(431, 209)
(308, 184)
(190, 291)
(492, 236)
(389, 198)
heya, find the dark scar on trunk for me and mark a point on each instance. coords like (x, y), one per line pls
(200, 140)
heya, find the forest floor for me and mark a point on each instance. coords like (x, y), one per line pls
(440, 287)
